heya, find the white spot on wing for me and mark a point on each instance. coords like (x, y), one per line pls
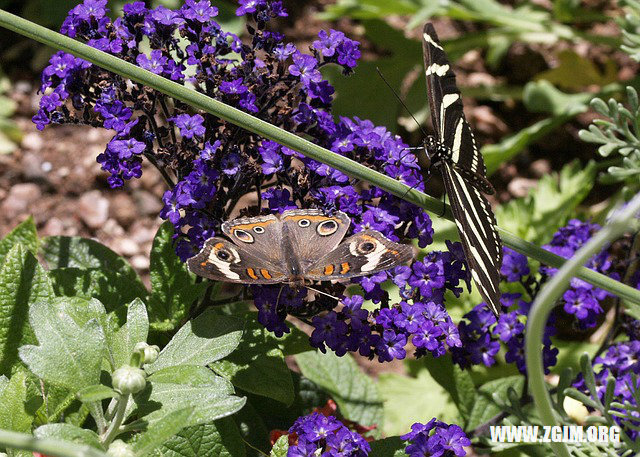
(449, 99)
(437, 69)
(225, 267)
(431, 41)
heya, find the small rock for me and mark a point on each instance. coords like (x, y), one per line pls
(541, 167)
(519, 187)
(125, 246)
(33, 167)
(112, 229)
(123, 209)
(20, 197)
(53, 226)
(147, 203)
(140, 262)
(93, 209)
(33, 141)
(142, 234)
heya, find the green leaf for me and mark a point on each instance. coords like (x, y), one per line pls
(485, 407)
(205, 339)
(134, 331)
(355, 393)
(160, 431)
(95, 393)
(456, 381)
(102, 265)
(110, 287)
(258, 365)
(294, 342)
(69, 355)
(22, 282)
(173, 287)
(220, 438)
(538, 215)
(191, 375)
(388, 447)
(543, 97)
(69, 432)
(280, 447)
(25, 234)
(13, 399)
(206, 402)
(408, 400)
(575, 73)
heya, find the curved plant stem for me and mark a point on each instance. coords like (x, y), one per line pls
(309, 149)
(49, 446)
(114, 427)
(546, 300)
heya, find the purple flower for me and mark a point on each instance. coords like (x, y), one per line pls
(91, 9)
(514, 265)
(166, 17)
(200, 11)
(305, 67)
(348, 53)
(233, 87)
(328, 42)
(155, 63)
(190, 126)
(327, 436)
(249, 6)
(126, 148)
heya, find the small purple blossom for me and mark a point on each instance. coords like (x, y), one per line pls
(190, 126)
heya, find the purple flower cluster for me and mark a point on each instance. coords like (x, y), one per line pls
(436, 438)
(325, 435)
(419, 318)
(622, 363)
(211, 165)
(582, 299)
(483, 335)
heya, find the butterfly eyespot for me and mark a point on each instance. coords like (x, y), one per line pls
(243, 235)
(304, 223)
(366, 247)
(327, 228)
(223, 254)
(258, 229)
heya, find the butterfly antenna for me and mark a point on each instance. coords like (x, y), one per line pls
(402, 102)
(323, 293)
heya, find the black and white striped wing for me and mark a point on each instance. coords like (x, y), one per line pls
(447, 113)
(463, 172)
(477, 228)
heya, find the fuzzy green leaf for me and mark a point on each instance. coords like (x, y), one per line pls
(70, 433)
(355, 393)
(388, 447)
(161, 430)
(485, 406)
(173, 287)
(69, 355)
(217, 439)
(280, 447)
(13, 399)
(25, 233)
(258, 365)
(22, 282)
(95, 393)
(207, 338)
(134, 331)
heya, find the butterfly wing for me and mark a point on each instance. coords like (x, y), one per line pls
(362, 254)
(221, 260)
(447, 112)
(312, 233)
(480, 240)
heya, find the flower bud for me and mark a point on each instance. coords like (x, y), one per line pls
(149, 353)
(120, 449)
(128, 380)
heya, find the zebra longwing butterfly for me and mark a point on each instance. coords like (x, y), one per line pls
(454, 152)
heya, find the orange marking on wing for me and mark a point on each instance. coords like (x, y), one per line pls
(312, 218)
(265, 273)
(203, 264)
(218, 245)
(252, 274)
(248, 227)
(328, 269)
(345, 268)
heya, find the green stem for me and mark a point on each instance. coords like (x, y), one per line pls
(545, 302)
(49, 446)
(309, 149)
(114, 426)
